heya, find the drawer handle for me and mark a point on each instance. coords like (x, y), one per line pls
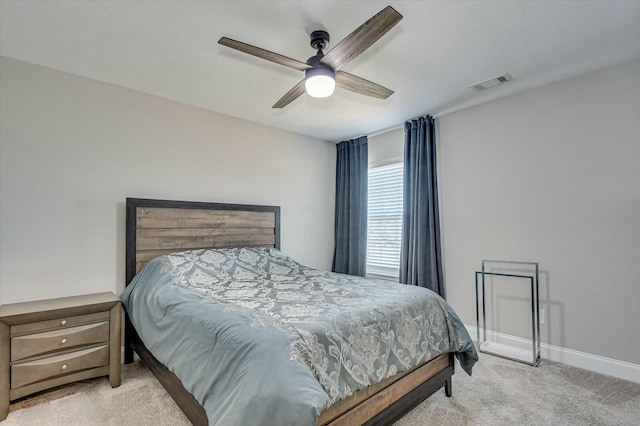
(64, 366)
(63, 322)
(63, 341)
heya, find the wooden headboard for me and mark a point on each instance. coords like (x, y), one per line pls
(157, 227)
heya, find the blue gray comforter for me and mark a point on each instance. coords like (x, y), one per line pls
(258, 338)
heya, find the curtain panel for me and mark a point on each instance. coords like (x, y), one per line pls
(350, 252)
(420, 255)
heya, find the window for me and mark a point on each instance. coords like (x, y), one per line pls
(384, 221)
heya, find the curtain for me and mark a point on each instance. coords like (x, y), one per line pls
(420, 255)
(350, 252)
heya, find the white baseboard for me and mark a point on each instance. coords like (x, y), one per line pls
(599, 364)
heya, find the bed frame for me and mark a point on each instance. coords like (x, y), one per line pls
(156, 227)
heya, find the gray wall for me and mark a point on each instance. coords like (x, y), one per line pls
(550, 175)
(72, 149)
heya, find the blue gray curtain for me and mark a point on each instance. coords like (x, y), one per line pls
(350, 253)
(420, 255)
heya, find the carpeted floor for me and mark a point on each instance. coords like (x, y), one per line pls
(501, 392)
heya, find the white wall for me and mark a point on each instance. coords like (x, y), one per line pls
(72, 149)
(551, 175)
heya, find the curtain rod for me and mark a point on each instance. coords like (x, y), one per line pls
(389, 129)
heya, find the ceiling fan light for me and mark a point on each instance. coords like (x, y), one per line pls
(320, 86)
(320, 82)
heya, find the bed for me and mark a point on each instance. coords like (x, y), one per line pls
(165, 235)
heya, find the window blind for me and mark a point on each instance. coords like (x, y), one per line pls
(384, 221)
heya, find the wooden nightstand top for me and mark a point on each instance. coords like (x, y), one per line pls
(20, 313)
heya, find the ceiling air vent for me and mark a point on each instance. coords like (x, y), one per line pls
(492, 82)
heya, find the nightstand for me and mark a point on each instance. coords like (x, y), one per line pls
(49, 343)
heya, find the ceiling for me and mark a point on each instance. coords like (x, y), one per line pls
(429, 59)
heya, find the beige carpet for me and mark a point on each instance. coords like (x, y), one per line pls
(501, 392)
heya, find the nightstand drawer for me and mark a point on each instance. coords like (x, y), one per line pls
(42, 343)
(59, 323)
(46, 368)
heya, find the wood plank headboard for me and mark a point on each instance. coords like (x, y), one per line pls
(156, 227)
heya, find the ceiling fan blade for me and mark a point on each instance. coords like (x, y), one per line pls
(362, 38)
(360, 85)
(264, 54)
(291, 95)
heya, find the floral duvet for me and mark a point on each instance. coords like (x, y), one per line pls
(258, 338)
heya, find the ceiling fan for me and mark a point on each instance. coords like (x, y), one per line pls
(322, 72)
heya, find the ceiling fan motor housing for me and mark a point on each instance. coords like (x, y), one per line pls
(318, 67)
